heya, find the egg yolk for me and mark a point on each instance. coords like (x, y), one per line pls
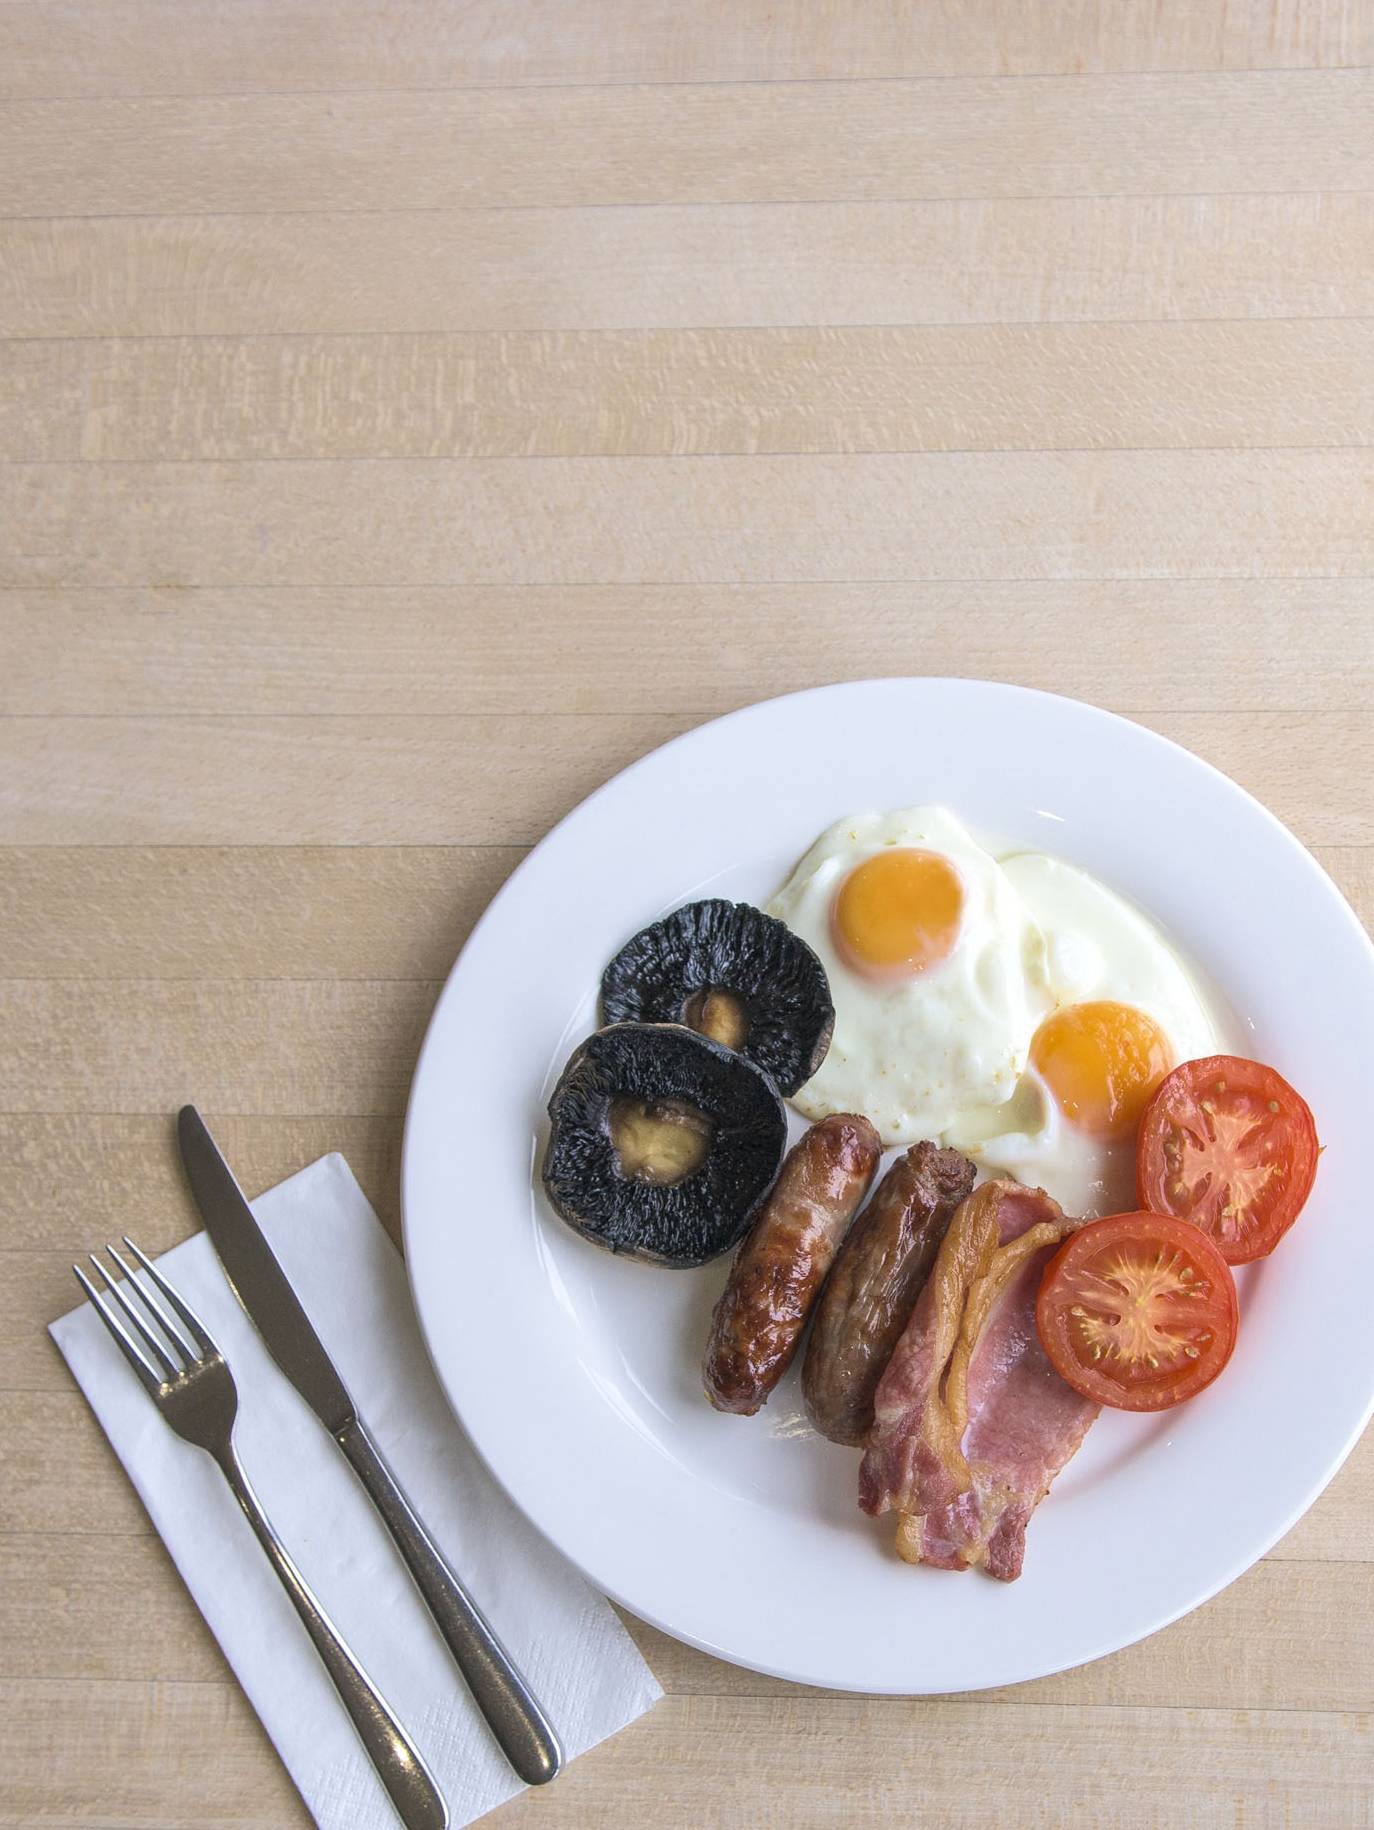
(1101, 1061)
(898, 912)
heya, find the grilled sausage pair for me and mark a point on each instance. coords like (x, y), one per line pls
(878, 1270)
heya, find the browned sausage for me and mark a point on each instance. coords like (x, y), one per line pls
(782, 1263)
(873, 1288)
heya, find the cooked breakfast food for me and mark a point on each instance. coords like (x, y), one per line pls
(1123, 1008)
(868, 1297)
(662, 1142)
(1229, 1145)
(1014, 1009)
(971, 1421)
(1007, 1016)
(1138, 1311)
(734, 974)
(780, 1267)
(925, 946)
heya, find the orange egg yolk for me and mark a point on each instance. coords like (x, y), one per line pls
(1101, 1061)
(898, 912)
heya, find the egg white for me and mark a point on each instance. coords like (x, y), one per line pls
(916, 1053)
(1096, 945)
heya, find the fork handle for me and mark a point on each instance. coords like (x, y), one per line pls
(408, 1781)
(524, 1732)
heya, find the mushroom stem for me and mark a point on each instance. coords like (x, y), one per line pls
(662, 1141)
(719, 1015)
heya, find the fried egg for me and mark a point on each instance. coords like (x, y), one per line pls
(936, 969)
(1014, 1008)
(1125, 1008)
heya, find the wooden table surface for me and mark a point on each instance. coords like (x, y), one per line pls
(409, 414)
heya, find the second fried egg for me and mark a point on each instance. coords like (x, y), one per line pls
(1125, 1009)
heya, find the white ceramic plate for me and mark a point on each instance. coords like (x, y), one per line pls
(577, 1374)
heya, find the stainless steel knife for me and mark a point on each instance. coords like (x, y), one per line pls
(519, 1724)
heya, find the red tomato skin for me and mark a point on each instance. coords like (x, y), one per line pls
(1053, 1304)
(1152, 1169)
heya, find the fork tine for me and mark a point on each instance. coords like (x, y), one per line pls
(125, 1342)
(146, 1338)
(183, 1310)
(155, 1304)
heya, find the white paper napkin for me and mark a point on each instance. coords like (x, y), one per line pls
(576, 1655)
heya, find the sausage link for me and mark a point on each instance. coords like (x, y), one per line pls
(872, 1290)
(783, 1261)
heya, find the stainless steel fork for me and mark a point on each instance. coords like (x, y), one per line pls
(199, 1399)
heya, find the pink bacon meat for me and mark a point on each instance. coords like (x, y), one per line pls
(971, 1422)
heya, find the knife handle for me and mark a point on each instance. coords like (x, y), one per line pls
(519, 1724)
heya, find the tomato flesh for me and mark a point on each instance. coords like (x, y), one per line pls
(1229, 1145)
(1138, 1311)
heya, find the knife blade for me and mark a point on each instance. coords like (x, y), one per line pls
(524, 1732)
(258, 1279)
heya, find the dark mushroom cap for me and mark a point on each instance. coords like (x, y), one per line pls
(708, 1210)
(732, 947)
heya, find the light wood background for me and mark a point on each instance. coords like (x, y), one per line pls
(412, 412)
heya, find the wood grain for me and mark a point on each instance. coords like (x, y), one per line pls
(1134, 645)
(286, 1045)
(965, 261)
(413, 411)
(311, 781)
(1286, 131)
(819, 1761)
(72, 1180)
(1184, 1764)
(680, 393)
(120, 47)
(325, 913)
(1110, 514)
(160, 1756)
